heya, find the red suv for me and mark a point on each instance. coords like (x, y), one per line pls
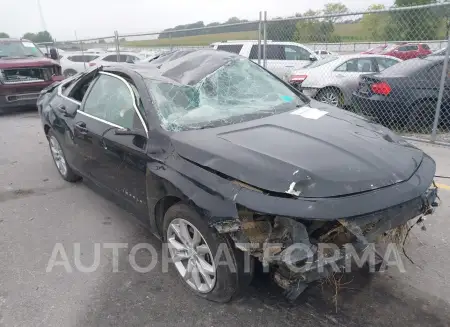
(24, 72)
(408, 51)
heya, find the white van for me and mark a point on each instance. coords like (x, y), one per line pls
(281, 57)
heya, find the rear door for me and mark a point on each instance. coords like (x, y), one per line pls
(346, 76)
(117, 162)
(283, 59)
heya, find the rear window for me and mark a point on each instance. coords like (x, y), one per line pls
(408, 67)
(322, 62)
(233, 48)
(85, 58)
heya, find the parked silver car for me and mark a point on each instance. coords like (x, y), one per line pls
(333, 79)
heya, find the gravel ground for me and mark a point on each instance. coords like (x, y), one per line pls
(38, 209)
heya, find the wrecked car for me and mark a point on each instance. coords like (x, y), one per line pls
(214, 152)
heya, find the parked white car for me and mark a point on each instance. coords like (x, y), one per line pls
(333, 79)
(325, 53)
(73, 63)
(111, 57)
(281, 57)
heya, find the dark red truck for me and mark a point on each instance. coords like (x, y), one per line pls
(24, 72)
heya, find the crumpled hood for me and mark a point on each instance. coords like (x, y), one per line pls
(26, 62)
(336, 154)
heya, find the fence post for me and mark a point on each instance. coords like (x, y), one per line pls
(259, 38)
(441, 93)
(116, 42)
(265, 41)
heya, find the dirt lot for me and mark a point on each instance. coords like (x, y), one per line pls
(38, 209)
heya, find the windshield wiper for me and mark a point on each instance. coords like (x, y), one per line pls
(30, 55)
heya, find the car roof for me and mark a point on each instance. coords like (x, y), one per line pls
(411, 66)
(13, 40)
(187, 69)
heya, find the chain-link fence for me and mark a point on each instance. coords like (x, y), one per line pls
(389, 65)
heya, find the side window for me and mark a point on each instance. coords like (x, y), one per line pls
(122, 58)
(110, 58)
(275, 52)
(384, 63)
(425, 47)
(111, 100)
(413, 48)
(405, 48)
(254, 52)
(364, 65)
(233, 48)
(133, 58)
(295, 53)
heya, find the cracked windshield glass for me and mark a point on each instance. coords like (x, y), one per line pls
(236, 92)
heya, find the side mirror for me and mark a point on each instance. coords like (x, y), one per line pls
(70, 111)
(312, 57)
(54, 54)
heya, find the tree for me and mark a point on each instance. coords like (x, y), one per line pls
(43, 36)
(413, 25)
(233, 20)
(3, 35)
(375, 23)
(29, 36)
(334, 8)
(314, 29)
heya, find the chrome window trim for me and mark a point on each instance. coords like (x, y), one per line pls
(63, 96)
(102, 120)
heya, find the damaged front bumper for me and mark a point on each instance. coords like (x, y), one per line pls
(302, 251)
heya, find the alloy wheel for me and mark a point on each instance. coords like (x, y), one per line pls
(191, 255)
(58, 155)
(329, 97)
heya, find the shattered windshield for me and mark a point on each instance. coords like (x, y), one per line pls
(19, 49)
(236, 92)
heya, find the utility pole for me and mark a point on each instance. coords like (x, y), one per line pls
(44, 26)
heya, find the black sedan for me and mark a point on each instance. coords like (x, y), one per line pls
(216, 154)
(404, 96)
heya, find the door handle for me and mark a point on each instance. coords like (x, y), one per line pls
(81, 128)
(289, 66)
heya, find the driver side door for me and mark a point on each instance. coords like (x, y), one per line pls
(117, 162)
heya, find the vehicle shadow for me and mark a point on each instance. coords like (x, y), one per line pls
(158, 298)
(355, 299)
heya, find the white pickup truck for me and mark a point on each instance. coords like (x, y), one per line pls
(281, 57)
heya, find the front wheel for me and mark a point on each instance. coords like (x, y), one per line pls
(60, 159)
(207, 262)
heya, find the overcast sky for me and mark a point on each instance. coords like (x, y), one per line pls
(96, 18)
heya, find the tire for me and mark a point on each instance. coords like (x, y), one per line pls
(69, 72)
(227, 280)
(422, 117)
(59, 159)
(331, 96)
